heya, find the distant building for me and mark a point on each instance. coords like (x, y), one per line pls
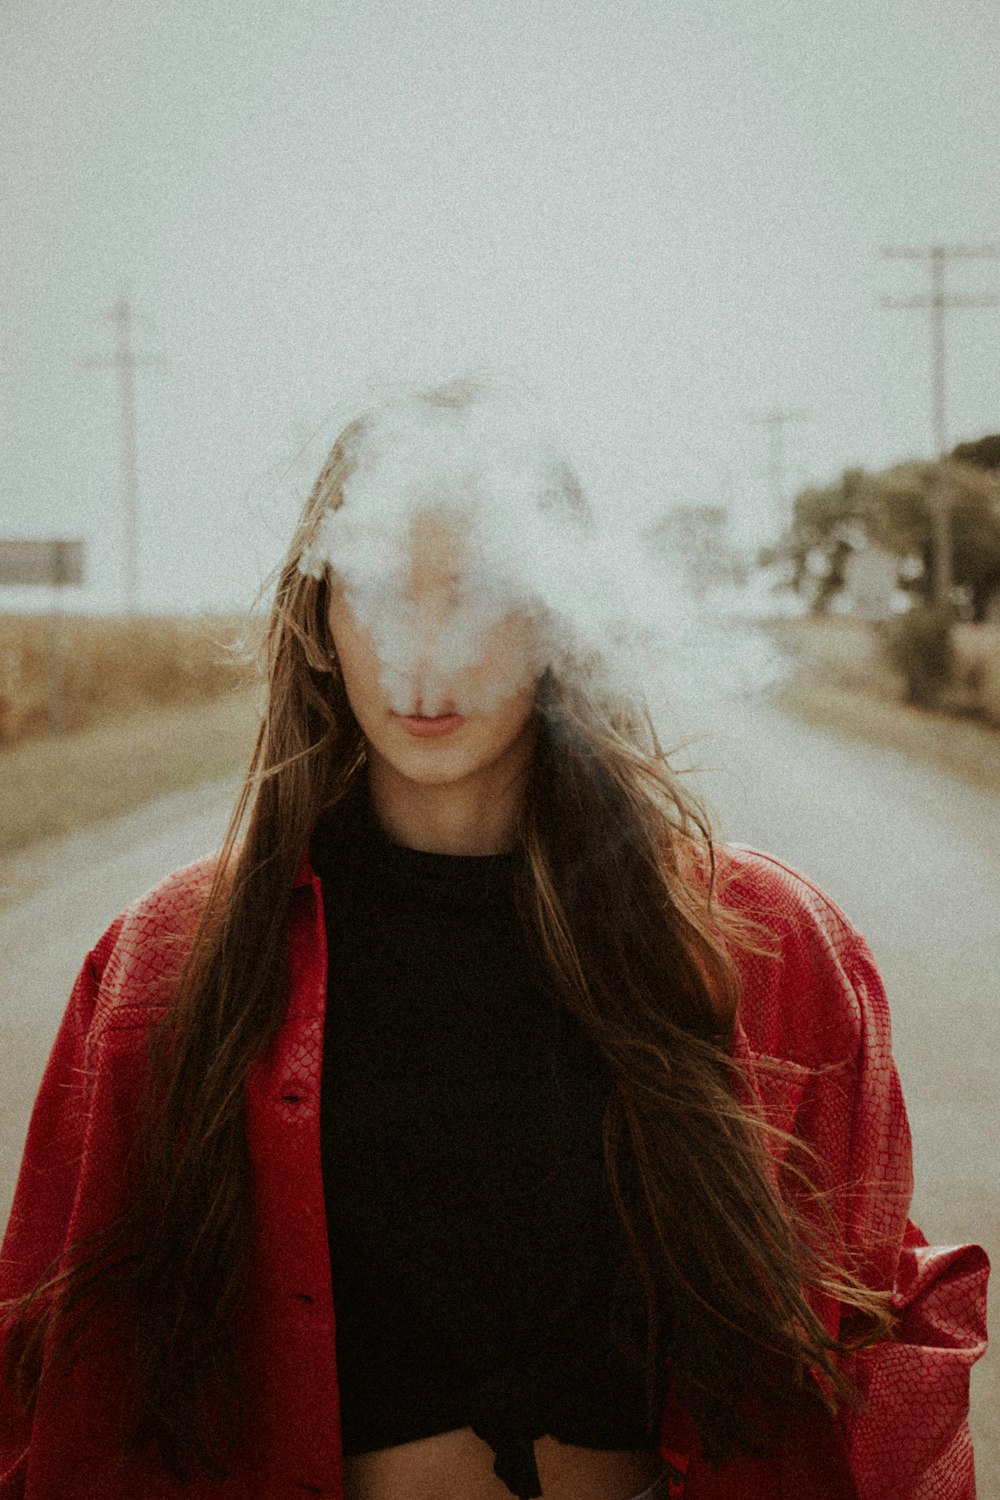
(871, 581)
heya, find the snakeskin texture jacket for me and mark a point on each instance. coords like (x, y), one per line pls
(819, 1001)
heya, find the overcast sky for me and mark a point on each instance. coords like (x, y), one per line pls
(663, 216)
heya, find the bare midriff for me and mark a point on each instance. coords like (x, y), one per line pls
(458, 1465)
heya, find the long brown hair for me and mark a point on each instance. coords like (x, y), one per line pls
(618, 890)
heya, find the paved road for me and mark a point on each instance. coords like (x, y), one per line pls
(913, 858)
(78, 885)
(911, 855)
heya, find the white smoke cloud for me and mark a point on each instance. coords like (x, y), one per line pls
(602, 606)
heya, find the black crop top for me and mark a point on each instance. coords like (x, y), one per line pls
(474, 1244)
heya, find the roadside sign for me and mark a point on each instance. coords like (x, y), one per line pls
(45, 560)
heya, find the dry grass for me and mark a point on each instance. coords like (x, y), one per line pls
(846, 652)
(111, 667)
(836, 647)
(842, 683)
(57, 785)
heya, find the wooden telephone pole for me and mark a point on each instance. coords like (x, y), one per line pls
(938, 304)
(125, 362)
(775, 421)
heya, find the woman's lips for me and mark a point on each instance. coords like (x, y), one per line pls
(426, 728)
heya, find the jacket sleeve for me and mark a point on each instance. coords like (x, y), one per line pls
(46, 1189)
(911, 1440)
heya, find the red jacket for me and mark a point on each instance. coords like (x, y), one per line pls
(820, 1001)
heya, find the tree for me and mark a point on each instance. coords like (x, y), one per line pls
(892, 509)
(825, 522)
(901, 522)
(695, 537)
(984, 453)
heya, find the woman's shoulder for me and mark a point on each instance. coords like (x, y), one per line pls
(138, 957)
(175, 900)
(760, 886)
(766, 886)
(803, 997)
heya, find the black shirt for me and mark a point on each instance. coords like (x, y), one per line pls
(474, 1244)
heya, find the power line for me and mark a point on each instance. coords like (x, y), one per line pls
(939, 303)
(125, 361)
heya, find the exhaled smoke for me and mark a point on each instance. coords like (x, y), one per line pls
(517, 538)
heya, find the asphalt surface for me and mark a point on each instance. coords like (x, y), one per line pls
(912, 856)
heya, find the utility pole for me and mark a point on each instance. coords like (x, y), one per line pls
(939, 303)
(125, 361)
(775, 420)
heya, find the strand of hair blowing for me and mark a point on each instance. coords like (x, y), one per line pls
(724, 1260)
(310, 746)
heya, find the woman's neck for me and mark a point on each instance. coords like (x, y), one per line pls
(470, 816)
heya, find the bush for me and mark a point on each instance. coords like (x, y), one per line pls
(920, 646)
(978, 649)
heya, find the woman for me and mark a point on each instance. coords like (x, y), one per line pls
(580, 1170)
